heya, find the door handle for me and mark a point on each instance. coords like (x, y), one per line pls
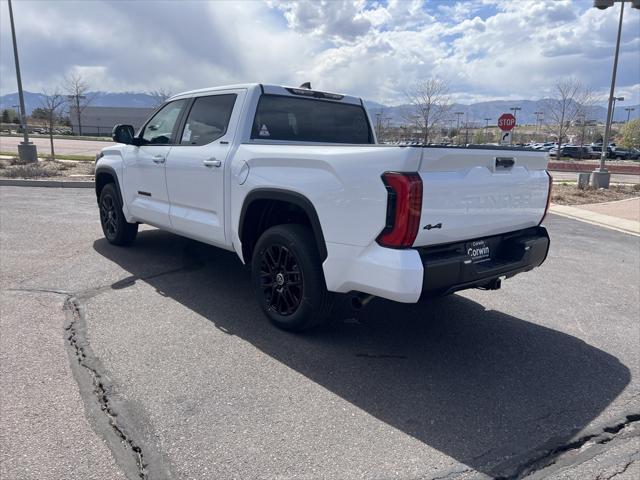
(212, 162)
(158, 159)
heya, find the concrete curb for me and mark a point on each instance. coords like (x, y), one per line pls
(617, 201)
(15, 182)
(614, 223)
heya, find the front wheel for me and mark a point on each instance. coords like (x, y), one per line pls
(288, 280)
(115, 227)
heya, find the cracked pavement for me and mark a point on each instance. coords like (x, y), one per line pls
(154, 362)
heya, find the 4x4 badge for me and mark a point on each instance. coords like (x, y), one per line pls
(429, 226)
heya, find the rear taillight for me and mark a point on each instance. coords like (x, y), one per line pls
(404, 204)
(546, 208)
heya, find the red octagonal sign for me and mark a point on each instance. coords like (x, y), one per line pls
(506, 122)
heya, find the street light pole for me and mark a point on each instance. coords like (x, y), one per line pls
(486, 129)
(384, 130)
(629, 110)
(538, 114)
(458, 114)
(613, 110)
(27, 151)
(466, 126)
(601, 177)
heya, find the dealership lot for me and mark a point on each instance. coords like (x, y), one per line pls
(164, 341)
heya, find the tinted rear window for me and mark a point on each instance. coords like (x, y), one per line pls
(306, 120)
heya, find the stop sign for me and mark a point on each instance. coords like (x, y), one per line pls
(506, 122)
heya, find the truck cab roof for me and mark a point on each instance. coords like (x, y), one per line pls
(272, 89)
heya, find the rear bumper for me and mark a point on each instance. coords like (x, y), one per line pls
(448, 268)
(406, 275)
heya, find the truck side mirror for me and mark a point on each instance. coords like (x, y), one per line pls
(123, 134)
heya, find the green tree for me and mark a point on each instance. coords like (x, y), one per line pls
(40, 113)
(9, 115)
(631, 134)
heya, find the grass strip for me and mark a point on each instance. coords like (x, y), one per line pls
(79, 158)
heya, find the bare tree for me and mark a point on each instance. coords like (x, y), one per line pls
(429, 105)
(159, 96)
(51, 107)
(77, 90)
(573, 100)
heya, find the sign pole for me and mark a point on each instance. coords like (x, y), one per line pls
(506, 122)
(26, 150)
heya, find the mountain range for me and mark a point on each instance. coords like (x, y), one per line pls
(395, 115)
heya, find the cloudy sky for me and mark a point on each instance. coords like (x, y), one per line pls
(485, 49)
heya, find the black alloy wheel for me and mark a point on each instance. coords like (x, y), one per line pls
(109, 216)
(115, 227)
(288, 280)
(281, 280)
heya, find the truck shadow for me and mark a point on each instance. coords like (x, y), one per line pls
(484, 387)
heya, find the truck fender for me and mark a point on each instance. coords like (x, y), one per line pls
(294, 198)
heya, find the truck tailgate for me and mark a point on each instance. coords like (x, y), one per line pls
(470, 193)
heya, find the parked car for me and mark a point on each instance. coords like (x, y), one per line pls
(596, 151)
(545, 147)
(572, 151)
(292, 181)
(621, 154)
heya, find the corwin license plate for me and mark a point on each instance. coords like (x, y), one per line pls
(479, 251)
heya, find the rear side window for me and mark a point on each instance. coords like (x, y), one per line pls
(208, 119)
(306, 120)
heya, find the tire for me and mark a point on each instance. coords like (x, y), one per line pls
(288, 280)
(115, 227)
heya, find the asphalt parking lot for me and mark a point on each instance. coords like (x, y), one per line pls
(155, 362)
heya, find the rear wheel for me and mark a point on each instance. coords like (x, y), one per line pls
(288, 280)
(115, 227)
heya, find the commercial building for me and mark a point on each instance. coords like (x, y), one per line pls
(101, 120)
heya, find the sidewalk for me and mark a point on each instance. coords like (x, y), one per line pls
(622, 215)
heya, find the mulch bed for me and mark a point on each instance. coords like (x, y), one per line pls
(570, 194)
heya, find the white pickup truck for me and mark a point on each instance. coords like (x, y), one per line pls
(292, 180)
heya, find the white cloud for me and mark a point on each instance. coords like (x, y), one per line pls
(337, 19)
(486, 49)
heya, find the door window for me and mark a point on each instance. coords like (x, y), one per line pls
(208, 119)
(159, 130)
